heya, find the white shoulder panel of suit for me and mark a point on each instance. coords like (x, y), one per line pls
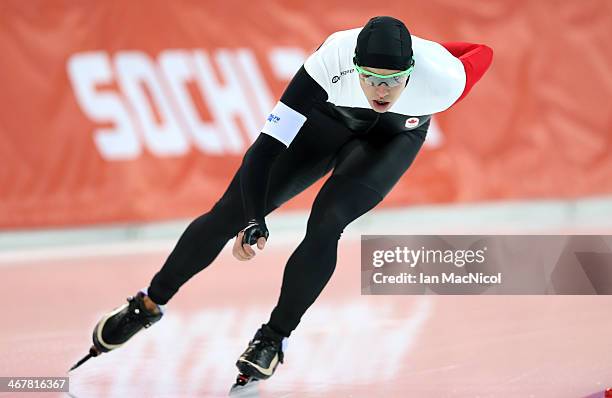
(437, 81)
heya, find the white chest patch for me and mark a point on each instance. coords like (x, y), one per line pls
(412, 122)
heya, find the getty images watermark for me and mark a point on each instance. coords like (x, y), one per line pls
(411, 258)
(473, 264)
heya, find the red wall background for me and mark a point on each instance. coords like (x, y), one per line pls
(537, 126)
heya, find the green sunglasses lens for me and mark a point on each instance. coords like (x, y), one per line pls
(392, 80)
(406, 72)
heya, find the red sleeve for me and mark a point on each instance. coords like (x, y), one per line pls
(476, 59)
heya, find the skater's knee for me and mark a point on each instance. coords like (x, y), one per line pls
(329, 223)
(340, 202)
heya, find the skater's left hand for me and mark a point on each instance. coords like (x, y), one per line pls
(242, 250)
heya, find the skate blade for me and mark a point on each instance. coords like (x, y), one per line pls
(245, 387)
(93, 352)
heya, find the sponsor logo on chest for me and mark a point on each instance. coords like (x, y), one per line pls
(336, 78)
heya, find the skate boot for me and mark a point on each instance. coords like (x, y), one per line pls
(121, 324)
(260, 359)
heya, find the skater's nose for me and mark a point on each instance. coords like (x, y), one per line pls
(382, 91)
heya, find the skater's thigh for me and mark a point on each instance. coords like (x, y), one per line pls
(379, 162)
(310, 156)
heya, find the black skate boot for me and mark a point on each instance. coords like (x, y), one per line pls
(119, 325)
(260, 359)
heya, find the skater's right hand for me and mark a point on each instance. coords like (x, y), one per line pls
(255, 231)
